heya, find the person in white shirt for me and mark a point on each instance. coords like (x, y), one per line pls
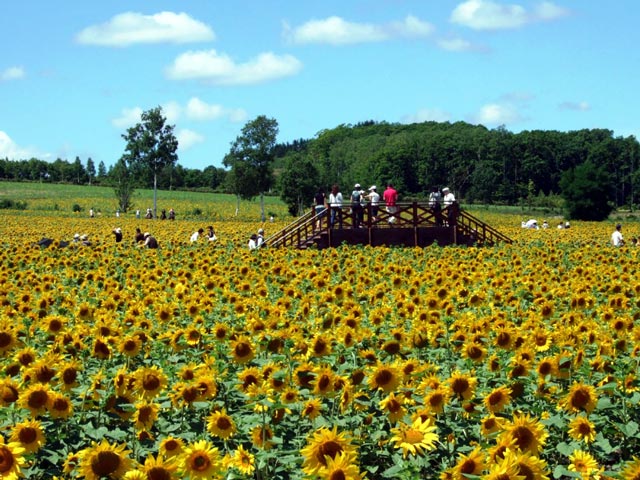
(260, 238)
(253, 242)
(196, 235)
(448, 197)
(335, 203)
(374, 199)
(616, 237)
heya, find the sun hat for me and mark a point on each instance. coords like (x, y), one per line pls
(445, 189)
(372, 187)
(357, 185)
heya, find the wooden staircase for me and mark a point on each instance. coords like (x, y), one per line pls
(414, 225)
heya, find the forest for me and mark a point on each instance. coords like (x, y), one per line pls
(481, 165)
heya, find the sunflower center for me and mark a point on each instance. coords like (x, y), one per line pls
(337, 475)
(150, 382)
(201, 463)
(28, 435)
(329, 449)
(524, 438)
(460, 386)
(242, 350)
(9, 394)
(6, 459)
(324, 382)
(158, 473)
(526, 472)
(384, 377)
(223, 423)
(105, 463)
(580, 399)
(5, 339)
(413, 436)
(38, 399)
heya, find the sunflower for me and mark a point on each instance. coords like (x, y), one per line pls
(171, 447)
(145, 415)
(497, 399)
(29, 435)
(158, 469)
(471, 464)
(415, 439)
(462, 386)
(35, 399)
(505, 468)
(490, 425)
(261, 436)
(104, 460)
(9, 392)
(320, 345)
(631, 470)
(581, 429)
(393, 406)
(130, 346)
(242, 350)
(221, 425)
(531, 467)
(529, 434)
(69, 374)
(323, 445)
(243, 461)
(581, 398)
(149, 381)
(341, 467)
(323, 383)
(11, 459)
(312, 408)
(584, 463)
(25, 356)
(385, 377)
(249, 377)
(200, 461)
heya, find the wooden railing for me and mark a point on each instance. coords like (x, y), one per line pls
(463, 227)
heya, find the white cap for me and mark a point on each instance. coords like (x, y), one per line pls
(372, 187)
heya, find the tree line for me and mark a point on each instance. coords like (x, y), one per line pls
(591, 169)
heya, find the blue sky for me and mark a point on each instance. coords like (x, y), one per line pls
(74, 75)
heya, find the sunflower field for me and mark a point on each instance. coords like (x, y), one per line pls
(210, 361)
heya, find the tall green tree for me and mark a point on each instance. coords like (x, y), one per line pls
(102, 170)
(251, 160)
(91, 170)
(123, 187)
(151, 145)
(298, 183)
(587, 191)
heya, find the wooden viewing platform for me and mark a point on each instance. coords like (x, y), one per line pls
(414, 224)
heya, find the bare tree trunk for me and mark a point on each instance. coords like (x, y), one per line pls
(262, 216)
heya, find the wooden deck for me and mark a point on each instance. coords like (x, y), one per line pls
(412, 225)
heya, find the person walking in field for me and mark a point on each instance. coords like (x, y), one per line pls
(617, 240)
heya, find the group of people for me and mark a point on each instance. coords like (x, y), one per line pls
(359, 199)
(210, 235)
(256, 240)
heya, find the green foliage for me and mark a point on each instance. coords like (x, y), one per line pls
(123, 188)
(298, 183)
(9, 204)
(76, 207)
(587, 190)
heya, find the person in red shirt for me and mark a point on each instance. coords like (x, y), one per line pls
(390, 197)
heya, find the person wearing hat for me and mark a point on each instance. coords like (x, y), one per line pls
(374, 200)
(118, 233)
(260, 238)
(357, 212)
(149, 241)
(616, 237)
(196, 235)
(448, 197)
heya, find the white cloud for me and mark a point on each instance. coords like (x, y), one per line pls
(171, 111)
(455, 45)
(197, 109)
(128, 117)
(219, 69)
(427, 115)
(188, 138)
(337, 31)
(494, 114)
(489, 15)
(578, 106)
(9, 149)
(132, 28)
(12, 73)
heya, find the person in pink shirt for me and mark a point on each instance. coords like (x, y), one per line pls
(390, 197)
